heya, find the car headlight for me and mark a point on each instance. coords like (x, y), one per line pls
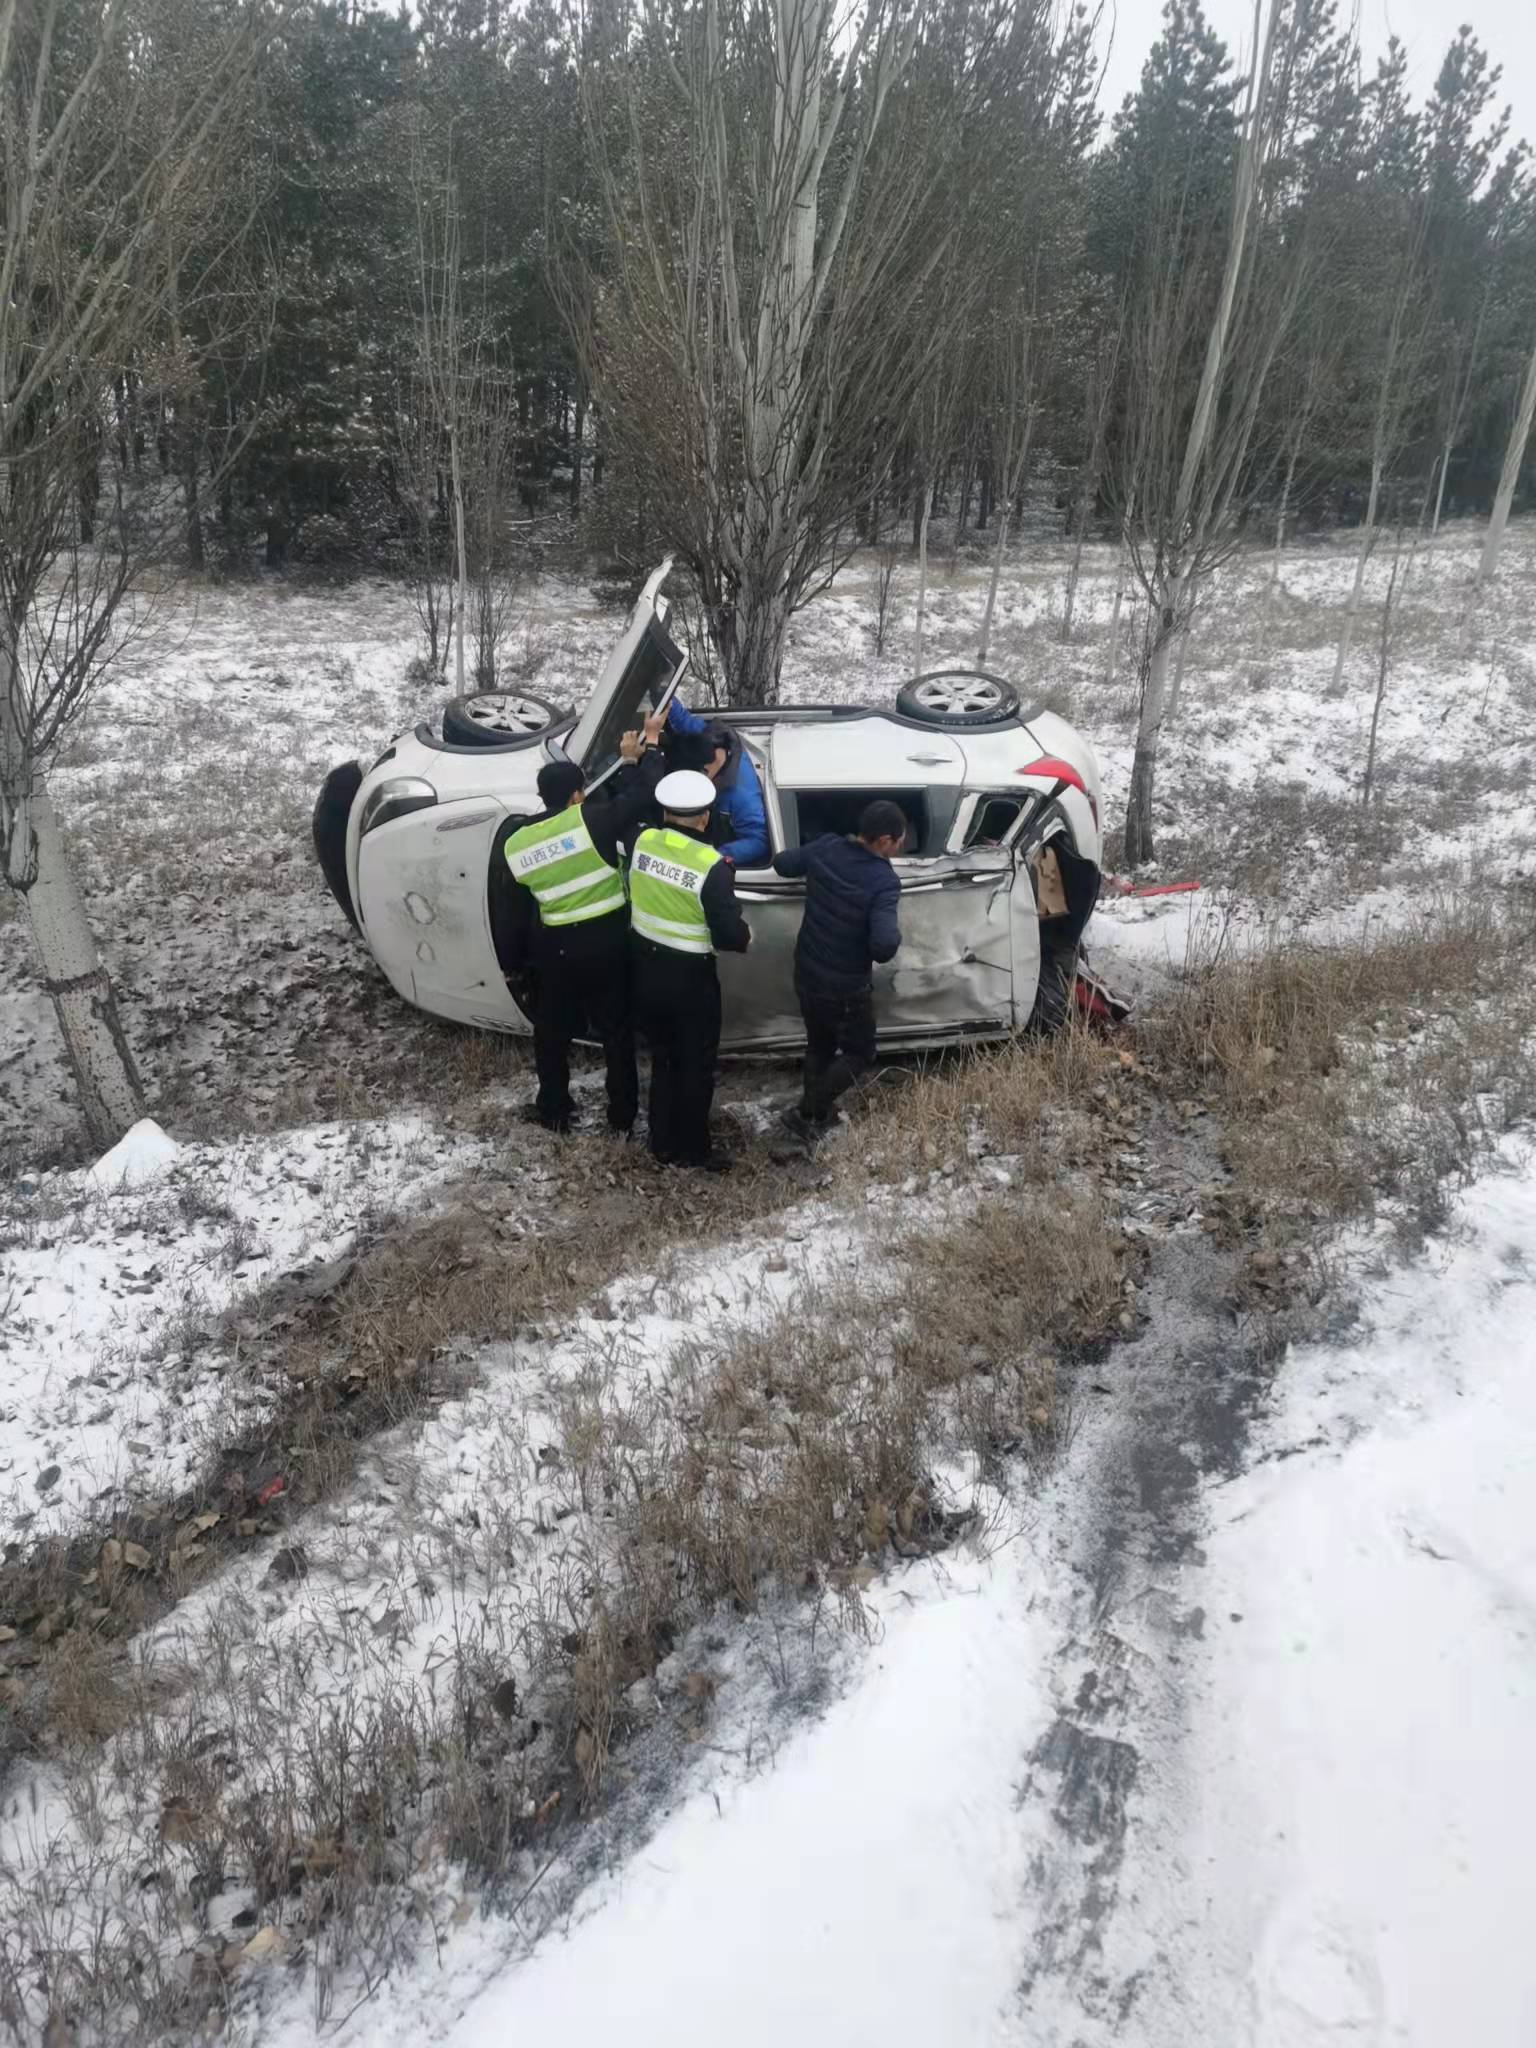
(394, 798)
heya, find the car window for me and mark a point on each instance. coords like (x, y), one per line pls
(992, 820)
(839, 810)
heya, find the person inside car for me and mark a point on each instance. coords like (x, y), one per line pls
(738, 791)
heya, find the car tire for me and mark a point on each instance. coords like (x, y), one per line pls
(954, 699)
(498, 718)
(333, 809)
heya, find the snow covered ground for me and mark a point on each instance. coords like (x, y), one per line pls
(110, 1271)
(1329, 1830)
(1256, 1777)
(1339, 1850)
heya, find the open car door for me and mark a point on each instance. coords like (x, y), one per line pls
(639, 676)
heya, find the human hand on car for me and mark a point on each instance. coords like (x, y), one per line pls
(652, 729)
(629, 747)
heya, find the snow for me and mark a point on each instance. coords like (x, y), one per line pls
(1363, 1756)
(860, 1890)
(140, 1155)
(108, 1265)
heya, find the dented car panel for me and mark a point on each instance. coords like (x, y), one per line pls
(421, 886)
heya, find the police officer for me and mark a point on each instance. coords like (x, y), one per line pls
(565, 945)
(682, 911)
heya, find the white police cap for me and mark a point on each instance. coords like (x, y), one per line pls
(685, 792)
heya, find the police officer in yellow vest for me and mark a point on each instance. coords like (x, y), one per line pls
(566, 936)
(682, 912)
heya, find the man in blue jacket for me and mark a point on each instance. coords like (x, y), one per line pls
(850, 922)
(738, 791)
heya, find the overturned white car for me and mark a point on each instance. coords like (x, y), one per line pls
(999, 876)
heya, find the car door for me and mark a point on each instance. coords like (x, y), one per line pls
(757, 988)
(634, 677)
(954, 974)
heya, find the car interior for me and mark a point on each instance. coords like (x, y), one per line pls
(808, 813)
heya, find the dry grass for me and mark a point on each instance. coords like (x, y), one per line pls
(1364, 1078)
(1038, 1102)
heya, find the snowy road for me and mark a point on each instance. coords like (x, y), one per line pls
(1305, 1815)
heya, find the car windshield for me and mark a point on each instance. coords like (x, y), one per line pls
(655, 661)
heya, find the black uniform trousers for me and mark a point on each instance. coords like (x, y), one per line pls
(583, 988)
(839, 1046)
(677, 1009)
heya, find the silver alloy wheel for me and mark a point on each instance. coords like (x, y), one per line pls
(949, 695)
(500, 711)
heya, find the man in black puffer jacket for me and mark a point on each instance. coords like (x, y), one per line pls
(850, 922)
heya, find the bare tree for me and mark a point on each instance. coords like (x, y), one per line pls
(778, 193)
(101, 171)
(1395, 372)
(1509, 476)
(495, 565)
(932, 423)
(446, 359)
(1013, 368)
(882, 589)
(420, 463)
(1183, 470)
(1101, 386)
(1456, 395)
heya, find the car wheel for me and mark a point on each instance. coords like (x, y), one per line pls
(490, 718)
(333, 808)
(958, 697)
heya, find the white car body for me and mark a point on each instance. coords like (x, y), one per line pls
(420, 887)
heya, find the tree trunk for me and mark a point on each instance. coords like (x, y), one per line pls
(1445, 467)
(461, 555)
(751, 643)
(1114, 621)
(195, 554)
(1382, 668)
(90, 498)
(1139, 845)
(922, 583)
(1176, 694)
(967, 476)
(1284, 513)
(1509, 476)
(997, 570)
(1079, 541)
(78, 986)
(576, 446)
(1367, 543)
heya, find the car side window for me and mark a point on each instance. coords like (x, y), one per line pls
(992, 820)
